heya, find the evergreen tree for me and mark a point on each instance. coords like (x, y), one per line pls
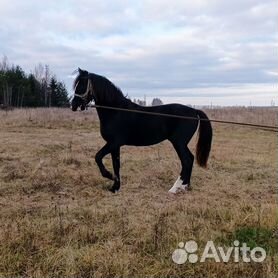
(35, 90)
(58, 92)
(33, 96)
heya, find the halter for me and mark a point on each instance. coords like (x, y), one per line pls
(89, 90)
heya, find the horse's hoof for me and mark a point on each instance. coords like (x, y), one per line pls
(181, 189)
(178, 187)
(178, 191)
(113, 190)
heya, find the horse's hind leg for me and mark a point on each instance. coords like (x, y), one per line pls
(187, 159)
(99, 156)
(190, 160)
(116, 166)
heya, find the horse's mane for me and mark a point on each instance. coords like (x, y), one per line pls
(105, 91)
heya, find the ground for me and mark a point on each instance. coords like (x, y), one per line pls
(58, 218)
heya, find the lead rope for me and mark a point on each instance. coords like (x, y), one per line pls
(91, 89)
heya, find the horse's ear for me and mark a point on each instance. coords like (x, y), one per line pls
(82, 72)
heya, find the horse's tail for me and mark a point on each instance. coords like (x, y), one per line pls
(204, 141)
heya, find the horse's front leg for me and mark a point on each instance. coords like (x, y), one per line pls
(115, 153)
(99, 156)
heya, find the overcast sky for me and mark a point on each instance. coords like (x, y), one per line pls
(195, 52)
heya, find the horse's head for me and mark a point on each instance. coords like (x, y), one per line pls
(83, 91)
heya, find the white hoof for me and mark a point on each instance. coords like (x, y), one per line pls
(178, 186)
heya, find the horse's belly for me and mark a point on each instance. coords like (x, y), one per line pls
(144, 138)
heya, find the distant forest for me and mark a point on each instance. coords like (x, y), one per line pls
(37, 89)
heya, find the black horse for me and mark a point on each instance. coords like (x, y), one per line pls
(120, 128)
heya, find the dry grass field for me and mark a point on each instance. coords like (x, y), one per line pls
(57, 218)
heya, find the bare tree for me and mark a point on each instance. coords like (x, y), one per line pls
(6, 88)
(4, 64)
(42, 74)
(46, 79)
(39, 72)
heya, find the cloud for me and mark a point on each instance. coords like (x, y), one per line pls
(149, 46)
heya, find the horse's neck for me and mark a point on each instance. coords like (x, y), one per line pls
(121, 103)
(106, 114)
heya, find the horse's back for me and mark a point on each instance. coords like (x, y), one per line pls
(141, 129)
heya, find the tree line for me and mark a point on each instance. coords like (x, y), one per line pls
(155, 102)
(40, 88)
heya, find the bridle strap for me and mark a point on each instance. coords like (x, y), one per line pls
(89, 90)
